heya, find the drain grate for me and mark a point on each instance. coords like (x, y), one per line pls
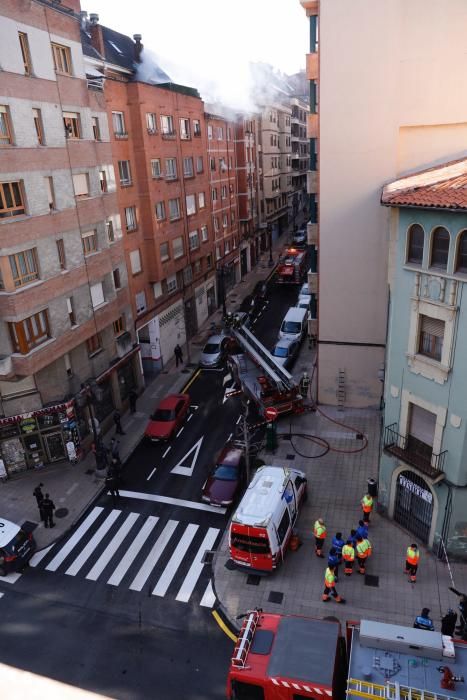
(371, 580)
(253, 579)
(61, 512)
(208, 556)
(275, 597)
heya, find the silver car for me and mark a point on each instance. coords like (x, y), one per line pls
(285, 352)
(214, 352)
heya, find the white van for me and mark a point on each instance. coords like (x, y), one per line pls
(295, 324)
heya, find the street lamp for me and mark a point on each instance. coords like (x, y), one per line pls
(88, 394)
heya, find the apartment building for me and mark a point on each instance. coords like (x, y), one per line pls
(65, 322)
(252, 237)
(390, 105)
(299, 156)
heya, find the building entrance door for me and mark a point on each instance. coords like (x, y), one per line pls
(54, 445)
(413, 507)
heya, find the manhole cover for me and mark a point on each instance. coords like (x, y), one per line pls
(253, 580)
(275, 597)
(230, 565)
(61, 512)
(371, 580)
(290, 456)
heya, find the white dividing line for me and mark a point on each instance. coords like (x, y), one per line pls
(98, 536)
(194, 406)
(1, 595)
(172, 501)
(230, 436)
(154, 470)
(38, 556)
(190, 417)
(116, 541)
(180, 431)
(11, 578)
(73, 541)
(175, 560)
(208, 599)
(133, 550)
(167, 451)
(154, 555)
(197, 567)
(72, 488)
(238, 420)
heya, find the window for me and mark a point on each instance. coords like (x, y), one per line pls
(227, 247)
(218, 252)
(201, 200)
(214, 194)
(431, 337)
(188, 167)
(71, 311)
(461, 257)
(160, 211)
(171, 168)
(140, 299)
(209, 131)
(119, 325)
(156, 168)
(131, 221)
(184, 129)
(220, 133)
(117, 279)
(421, 432)
(164, 251)
(415, 245)
(283, 526)
(61, 253)
(49, 186)
(440, 248)
(232, 217)
(190, 200)
(68, 367)
(11, 199)
(109, 227)
(89, 241)
(151, 122)
(135, 262)
(24, 267)
(71, 124)
(62, 58)
(222, 165)
(103, 181)
(174, 209)
(25, 53)
(197, 268)
(93, 344)
(204, 233)
(30, 332)
(124, 172)
(212, 163)
(216, 224)
(97, 294)
(118, 123)
(5, 128)
(171, 284)
(81, 185)
(224, 191)
(225, 221)
(194, 240)
(37, 117)
(199, 164)
(187, 274)
(167, 125)
(96, 129)
(177, 246)
(196, 127)
(209, 261)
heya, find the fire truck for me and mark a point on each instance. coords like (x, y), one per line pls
(292, 266)
(260, 377)
(280, 657)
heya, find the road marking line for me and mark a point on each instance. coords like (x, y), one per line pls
(175, 560)
(1, 595)
(167, 451)
(94, 542)
(114, 544)
(73, 541)
(154, 470)
(191, 579)
(181, 468)
(195, 406)
(226, 379)
(238, 420)
(72, 488)
(189, 417)
(229, 437)
(154, 555)
(209, 597)
(172, 501)
(133, 550)
(223, 626)
(11, 578)
(190, 382)
(38, 556)
(180, 431)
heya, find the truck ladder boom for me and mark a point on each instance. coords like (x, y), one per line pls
(264, 359)
(391, 691)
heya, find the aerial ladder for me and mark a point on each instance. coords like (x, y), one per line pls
(391, 691)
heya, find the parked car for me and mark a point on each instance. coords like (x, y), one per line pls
(168, 417)
(304, 303)
(300, 239)
(213, 354)
(223, 485)
(295, 324)
(304, 291)
(16, 547)
(285, 352)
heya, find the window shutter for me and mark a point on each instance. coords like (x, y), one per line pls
(97, 294)
(432, 326)
(422, 424)
(80, 183)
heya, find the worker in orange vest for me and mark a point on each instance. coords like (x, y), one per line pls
(348, 555)
(330, 586)
(411, 562)
(363, 551)
(319, 531)
(367, 507)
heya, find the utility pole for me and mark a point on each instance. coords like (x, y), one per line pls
(244, 440)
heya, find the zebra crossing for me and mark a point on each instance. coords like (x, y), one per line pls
(128, 550)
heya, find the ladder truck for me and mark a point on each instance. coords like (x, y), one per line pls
(292, 266)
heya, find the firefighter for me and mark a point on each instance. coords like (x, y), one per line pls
(304, 385)
(363, 552)
(319, 531)
(330, 586)
(362, 529)
(423, 621)
(348, 555)
(333, 561)
(367, 507)
(411, 562)
(338, 543)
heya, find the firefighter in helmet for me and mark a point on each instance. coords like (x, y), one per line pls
(305, 385)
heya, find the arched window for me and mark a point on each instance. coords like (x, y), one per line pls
(440, 248)
(461, 258)
(415, 246)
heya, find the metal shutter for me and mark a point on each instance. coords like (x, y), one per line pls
(432, 326)
(422, 424)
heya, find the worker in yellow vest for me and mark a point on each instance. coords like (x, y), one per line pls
(330, 586)
(411, 562)
(319, 531)
(363, 551)
(348, 555)
(367, 507)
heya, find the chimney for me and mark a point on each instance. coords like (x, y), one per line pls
(94, 19)
(83, 20)
(95, 29)
(138, 47)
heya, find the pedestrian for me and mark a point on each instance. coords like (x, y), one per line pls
(338, 543)
(348, 555)
(178, 355)
(448, 623)
(319, 531)
(101, 455)
(367, 507)
(48, 507)
(362, 529)
(111, 483)
(132, 396)
(39, 496)
(334, 561)
(424, 621)
(353, 537)
(362, 549)
(411, 562)
(330, 586)
(114, 448)
(118, 423)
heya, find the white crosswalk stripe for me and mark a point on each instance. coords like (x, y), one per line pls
(196, 568)
(74, 539)
(175, 560)
(82, 558)
(108, 553)
(133, 550)
(154, 556)
(209, 598)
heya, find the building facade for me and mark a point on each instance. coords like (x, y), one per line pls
(252, 238)
(299, 157)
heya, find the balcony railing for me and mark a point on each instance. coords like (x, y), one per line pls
(414, 452)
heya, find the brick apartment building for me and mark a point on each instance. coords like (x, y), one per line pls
(252, 237)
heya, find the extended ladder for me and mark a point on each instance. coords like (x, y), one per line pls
(245, 638)
(391, 691)
(256, 350)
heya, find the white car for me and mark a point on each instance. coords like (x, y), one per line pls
(304, 292)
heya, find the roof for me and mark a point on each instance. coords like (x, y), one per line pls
(443, 186)
(258, 503)
(8, 531)
(119, 48)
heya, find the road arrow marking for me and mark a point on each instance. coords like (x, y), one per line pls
(182, 469)
(226, 379)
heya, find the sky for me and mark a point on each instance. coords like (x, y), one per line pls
(208, 43)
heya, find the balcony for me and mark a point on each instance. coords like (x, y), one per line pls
(414, 452)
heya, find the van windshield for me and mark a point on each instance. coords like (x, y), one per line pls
(16, 543)
(291, 327)
(253, 545)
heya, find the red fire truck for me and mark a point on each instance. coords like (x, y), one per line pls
(292, 266)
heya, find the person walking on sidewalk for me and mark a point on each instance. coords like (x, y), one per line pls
(132, 396)
(362, 529)
(112, 485)
(348, 555)
(333, 561)
(319, 531)
(39, 496)
(411, 562)
(367, 507)
(330, 587)
(48, 507)
(118, 423)
(363, 550)
(178, 352)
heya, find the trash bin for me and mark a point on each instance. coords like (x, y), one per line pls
(271, 436)
(372, 488)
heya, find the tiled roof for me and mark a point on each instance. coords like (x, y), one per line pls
(443, 186)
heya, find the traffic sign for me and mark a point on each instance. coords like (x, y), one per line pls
(271, 413)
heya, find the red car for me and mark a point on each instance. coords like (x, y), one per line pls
(226, 479)
(168, 417)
